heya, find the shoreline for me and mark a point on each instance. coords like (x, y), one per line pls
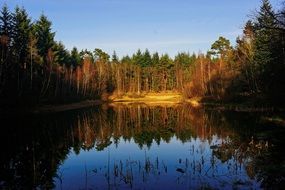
(49, 108)
(65, 107)
(148, 99)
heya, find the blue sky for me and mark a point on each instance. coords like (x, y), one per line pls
(166, 26)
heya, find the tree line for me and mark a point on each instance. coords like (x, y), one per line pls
(251, 71)
(37, 69)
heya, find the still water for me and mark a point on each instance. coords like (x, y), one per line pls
(141, 147)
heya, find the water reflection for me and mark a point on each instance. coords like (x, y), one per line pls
(141, 147)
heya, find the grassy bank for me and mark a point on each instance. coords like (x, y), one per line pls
(148, 98)
(153, 99)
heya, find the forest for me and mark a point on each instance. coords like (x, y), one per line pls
(36, 69)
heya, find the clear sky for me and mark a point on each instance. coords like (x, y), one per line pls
(166, 26)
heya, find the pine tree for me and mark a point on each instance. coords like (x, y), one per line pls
(20, 46)
(75, 59)
(155, 59)
(6, 21)
(138, 58)
(115, 58)
(100, 55)
(221, 47)
(146, 59)
(265, 40)
(126, 59)
(182, 61)
(21, 33)
(45, 37)
(5, 44)
(62, 56)
(165, 66)
(270, 52)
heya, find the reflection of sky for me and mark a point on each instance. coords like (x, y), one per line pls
(197, 153)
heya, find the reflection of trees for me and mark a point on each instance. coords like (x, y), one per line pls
(270, 166)
(147, 124)
(32, 153)
(259, 147)
(34, 148)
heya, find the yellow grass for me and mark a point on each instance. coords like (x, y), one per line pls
(195, 102)
(152, 99)
(149, 97)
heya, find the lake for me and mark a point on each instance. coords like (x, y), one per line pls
(120, 146)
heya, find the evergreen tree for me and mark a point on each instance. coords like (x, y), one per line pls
(87, 53)
(6, 21)
(165, 67)
(101, 55)
(75, 59)
(138, 58)
(146, 59)
(265, 18)
(264, 36)
(269, 52)
(184, 59)
(61, 55)
(115, 58)
(21, 34)
(166, 62)
(221, 47)
(45, 37)
(126, 59)
(155, 59)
